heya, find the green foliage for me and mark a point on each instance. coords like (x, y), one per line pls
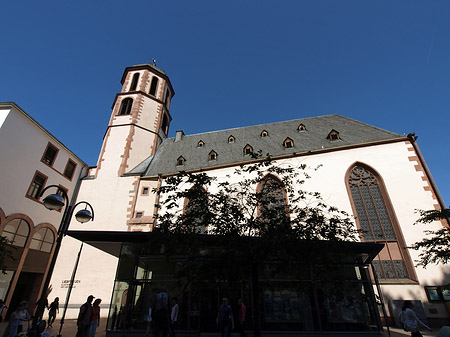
(258, 212)
(435, 248)
(5, 253)
(257, 222)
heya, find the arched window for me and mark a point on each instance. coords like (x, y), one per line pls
(43, 240)
(273, 202)
(17, 231)
(134, 82)
(165, 124)
(195, 211)
(231, 139)
(200, 143)
(153, 86)
(125, 108)
(264, 133)
(301, 128)
(167, 99)
(376, 219)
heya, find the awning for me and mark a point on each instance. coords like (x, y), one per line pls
(111, 241)
(108, 241)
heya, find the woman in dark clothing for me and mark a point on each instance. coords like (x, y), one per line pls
(53, 309)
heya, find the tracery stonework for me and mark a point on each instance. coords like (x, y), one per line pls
(376, 224)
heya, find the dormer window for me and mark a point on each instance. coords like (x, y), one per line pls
(333, 135)
(248, 150)
(125, 108)
(180, 161)
(200, 143)
(231, 139)
(134, 82)
(212, 156)
(264, 133)
(153, 86)
(301, 128)
(288, 143)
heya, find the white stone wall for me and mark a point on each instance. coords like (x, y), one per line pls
(22, 145)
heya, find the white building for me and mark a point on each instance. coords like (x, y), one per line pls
(32, 159)
(378, 176)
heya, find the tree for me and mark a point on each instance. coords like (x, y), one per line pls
(258, 214)
(5, 253)
(436, 247)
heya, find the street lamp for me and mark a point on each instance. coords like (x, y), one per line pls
(56, 202)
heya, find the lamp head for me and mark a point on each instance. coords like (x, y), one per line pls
(83, 215)
(53, 202)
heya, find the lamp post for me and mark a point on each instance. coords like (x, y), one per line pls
(57, 202)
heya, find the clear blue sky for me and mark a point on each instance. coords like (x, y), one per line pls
(234, 63)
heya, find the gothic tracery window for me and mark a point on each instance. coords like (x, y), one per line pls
(273, 202)
(376, 224)
(195, 212)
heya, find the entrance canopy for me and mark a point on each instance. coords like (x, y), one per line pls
(111, 241)
(108, 241)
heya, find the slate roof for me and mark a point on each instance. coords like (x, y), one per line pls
(351, 132)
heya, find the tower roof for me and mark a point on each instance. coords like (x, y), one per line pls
(294, 137)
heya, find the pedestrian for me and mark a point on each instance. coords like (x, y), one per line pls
(15, 324)
(173, 317)
(23, 315)
(84, 318)
(52, 310)
(2, 306)
(95, 320)
(161, 314)
(241, 317)
(225, 318)
(410, 321)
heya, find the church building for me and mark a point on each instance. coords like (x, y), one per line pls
(378, 176)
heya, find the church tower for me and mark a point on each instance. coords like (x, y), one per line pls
(139, 121)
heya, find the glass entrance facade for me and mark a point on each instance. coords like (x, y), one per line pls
(284, 301)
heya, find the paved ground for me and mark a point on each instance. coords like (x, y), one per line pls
(70, 330)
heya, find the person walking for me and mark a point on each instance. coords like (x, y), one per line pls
(95, 320)
(410, 321)
(225, 318)
(241, 317)
(84, 318)
(52, 310)
(173, 317)
(161, 314)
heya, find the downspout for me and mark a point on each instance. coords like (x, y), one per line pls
(412, 137)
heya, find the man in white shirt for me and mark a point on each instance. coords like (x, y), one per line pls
(173, 316)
